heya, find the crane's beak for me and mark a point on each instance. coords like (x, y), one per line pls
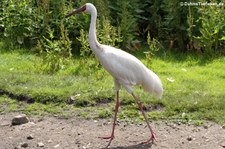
(75, 11)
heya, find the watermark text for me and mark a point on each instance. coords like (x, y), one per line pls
(218, 4)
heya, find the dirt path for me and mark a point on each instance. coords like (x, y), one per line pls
(77, 133)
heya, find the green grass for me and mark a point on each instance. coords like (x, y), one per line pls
(197, 92)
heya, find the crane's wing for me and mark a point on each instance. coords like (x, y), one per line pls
(128, 70)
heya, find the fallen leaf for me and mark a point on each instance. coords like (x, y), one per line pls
(170, 79)
(185, 70)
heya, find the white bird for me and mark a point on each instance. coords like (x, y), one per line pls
(125, 69)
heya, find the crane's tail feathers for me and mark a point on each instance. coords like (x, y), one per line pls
(153, 84)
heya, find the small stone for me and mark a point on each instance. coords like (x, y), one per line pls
(40, 144)
(189, 138)
(223, 126)
(206, 127)
(24, 145)
(41, 119)
(20, 119)
(178, 123)
(30, 137)
(56, 146)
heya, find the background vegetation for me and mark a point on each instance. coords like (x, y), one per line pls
(46, 60)
(121, 23)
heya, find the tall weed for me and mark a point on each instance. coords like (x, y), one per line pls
(153, 47)
(125, 16)
(212, 29)
(55, 53)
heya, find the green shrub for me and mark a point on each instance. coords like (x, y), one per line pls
(25, 22)
(120, 23)
(153, 45)
(18, 21)
(212, 35)
(125, 16)
(55, 53)
(85, 50)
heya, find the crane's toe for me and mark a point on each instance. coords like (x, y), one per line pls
(110, 139)
(151, 140)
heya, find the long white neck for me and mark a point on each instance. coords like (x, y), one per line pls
(94, 44)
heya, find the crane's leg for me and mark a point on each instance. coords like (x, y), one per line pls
(153, 137)
(111, 137)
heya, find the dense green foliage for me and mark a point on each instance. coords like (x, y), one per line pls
(175, 24)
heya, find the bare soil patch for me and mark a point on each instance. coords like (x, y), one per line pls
(78, 133)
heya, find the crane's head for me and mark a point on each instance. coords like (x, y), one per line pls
(88, 7)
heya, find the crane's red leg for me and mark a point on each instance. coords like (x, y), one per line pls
(111, 137)
(153, 137)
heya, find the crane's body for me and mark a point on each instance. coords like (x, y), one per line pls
(126, 69)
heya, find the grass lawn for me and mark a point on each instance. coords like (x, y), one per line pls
(193, 88)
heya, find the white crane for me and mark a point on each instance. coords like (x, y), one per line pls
(125, 69)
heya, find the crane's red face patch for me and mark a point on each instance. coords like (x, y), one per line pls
(75, 11)
(83, 8)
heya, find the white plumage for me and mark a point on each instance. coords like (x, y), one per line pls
(126, 69)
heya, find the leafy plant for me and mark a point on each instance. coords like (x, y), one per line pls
(212, 28)
(102, 7)
(25, 22)
(190, 21)
(108, 34)
(58, 52)
(120, 23)
(124, 15)
(153, 45)
(174, 23)
(18, 21)
(150, 18)
(85, 50)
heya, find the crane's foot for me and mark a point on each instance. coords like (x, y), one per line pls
(151, 140)
(110, 139)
